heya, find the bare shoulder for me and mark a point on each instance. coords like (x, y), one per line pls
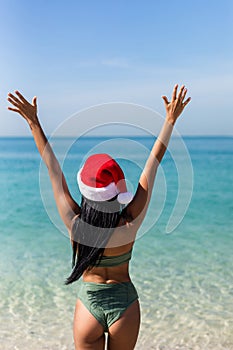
(124, 234)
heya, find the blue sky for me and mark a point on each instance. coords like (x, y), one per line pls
(76, 54)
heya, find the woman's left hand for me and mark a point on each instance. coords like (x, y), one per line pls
(175, 107)
(24, 108)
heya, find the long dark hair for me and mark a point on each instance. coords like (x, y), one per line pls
(90, 234)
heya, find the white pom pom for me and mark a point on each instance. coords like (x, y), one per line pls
(125, 198)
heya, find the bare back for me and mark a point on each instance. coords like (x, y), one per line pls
(121, 242)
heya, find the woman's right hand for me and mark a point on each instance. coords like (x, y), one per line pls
(66, 205)
(27, 110)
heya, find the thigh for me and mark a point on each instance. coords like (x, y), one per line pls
(88, 332)
(123, 333)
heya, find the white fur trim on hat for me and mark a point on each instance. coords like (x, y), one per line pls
(97, 194)
(103, 193)
(125, 198)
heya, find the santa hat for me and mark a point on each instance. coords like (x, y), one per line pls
(101, 178)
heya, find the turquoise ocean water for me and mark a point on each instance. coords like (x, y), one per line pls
(184, 279)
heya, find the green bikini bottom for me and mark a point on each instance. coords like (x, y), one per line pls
(107, 301)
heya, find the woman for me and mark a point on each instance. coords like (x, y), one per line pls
(102, 232)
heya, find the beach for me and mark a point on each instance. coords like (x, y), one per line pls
(184, 278)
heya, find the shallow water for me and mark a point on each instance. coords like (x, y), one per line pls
(184, 279)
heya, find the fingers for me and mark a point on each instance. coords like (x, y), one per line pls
(13, 100)
(187, 101)
(183, 94)
(174, 92)
(17, 110)
(13, 109)
(34, 101)
(20, 106)
(165, 100)
(20, 100)
(23, 107)
(180, 94)
(21, 96)
(177, 104)
(11, 96)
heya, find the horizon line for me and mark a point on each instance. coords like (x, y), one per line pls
(117, 135)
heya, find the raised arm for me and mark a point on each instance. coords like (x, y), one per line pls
(66, 205)
(138, 207)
